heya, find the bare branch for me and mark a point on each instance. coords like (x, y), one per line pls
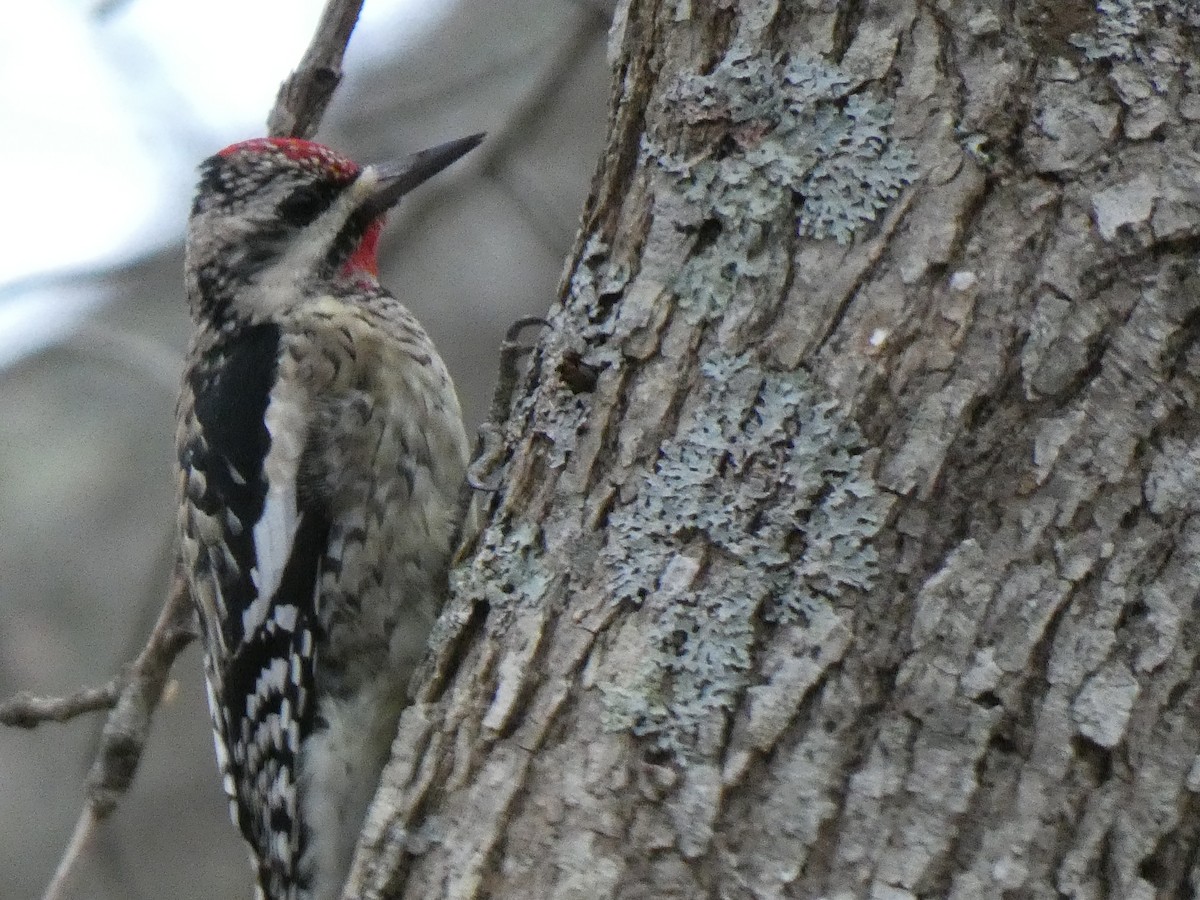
(124, 735)
(133, 697)
(27, 710)
(84, 826)
(578, 36)
(306, 93)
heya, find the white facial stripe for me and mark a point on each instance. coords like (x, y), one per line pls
(275, 531)
(280, 285)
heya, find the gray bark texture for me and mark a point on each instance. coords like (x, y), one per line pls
(849, 535)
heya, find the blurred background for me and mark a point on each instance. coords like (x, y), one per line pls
(107, 108)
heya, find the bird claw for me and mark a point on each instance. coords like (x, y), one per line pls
(484, 472)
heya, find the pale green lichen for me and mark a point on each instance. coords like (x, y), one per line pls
(699, 650)
(1130, 30)
(508, 569)
(563, 430)
(805, 151)
(1119, 25)
(770, 479)
(595, 279)
(804, 144)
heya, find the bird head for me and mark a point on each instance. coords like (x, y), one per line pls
(273, 218)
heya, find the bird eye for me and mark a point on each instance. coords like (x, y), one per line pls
(305, 203)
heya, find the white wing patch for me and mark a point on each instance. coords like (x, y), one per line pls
(287, 419)
(274, 536)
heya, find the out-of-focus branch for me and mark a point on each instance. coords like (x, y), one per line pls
(134, 695)
(105, 9)
(26, 710)
(533, 205)
(306, 93)
(124, 735)
(84, 827)
(154, 361)
(589, 26)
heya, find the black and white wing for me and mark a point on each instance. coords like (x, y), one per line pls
(254, 546)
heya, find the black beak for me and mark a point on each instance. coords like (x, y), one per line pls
(398, 178)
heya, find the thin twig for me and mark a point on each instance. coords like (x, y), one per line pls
(133, 697)
(84, 827)
(306, 93)
(27, 710)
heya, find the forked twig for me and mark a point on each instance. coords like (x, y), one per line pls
(125, 731)
(27, 710)
(133, 696)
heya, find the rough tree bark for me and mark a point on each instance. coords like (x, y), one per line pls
(848, 537)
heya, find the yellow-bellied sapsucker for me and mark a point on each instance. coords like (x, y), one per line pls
(321, 453)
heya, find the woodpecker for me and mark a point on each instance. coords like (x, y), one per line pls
(321, 453)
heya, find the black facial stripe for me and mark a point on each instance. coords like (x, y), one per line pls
(302, 206)
(348, 239)
(260, 249)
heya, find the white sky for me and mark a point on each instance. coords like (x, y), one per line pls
(106, 119)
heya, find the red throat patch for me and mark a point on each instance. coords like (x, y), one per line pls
(364, 260)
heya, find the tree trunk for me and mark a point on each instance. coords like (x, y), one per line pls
(848, 539)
